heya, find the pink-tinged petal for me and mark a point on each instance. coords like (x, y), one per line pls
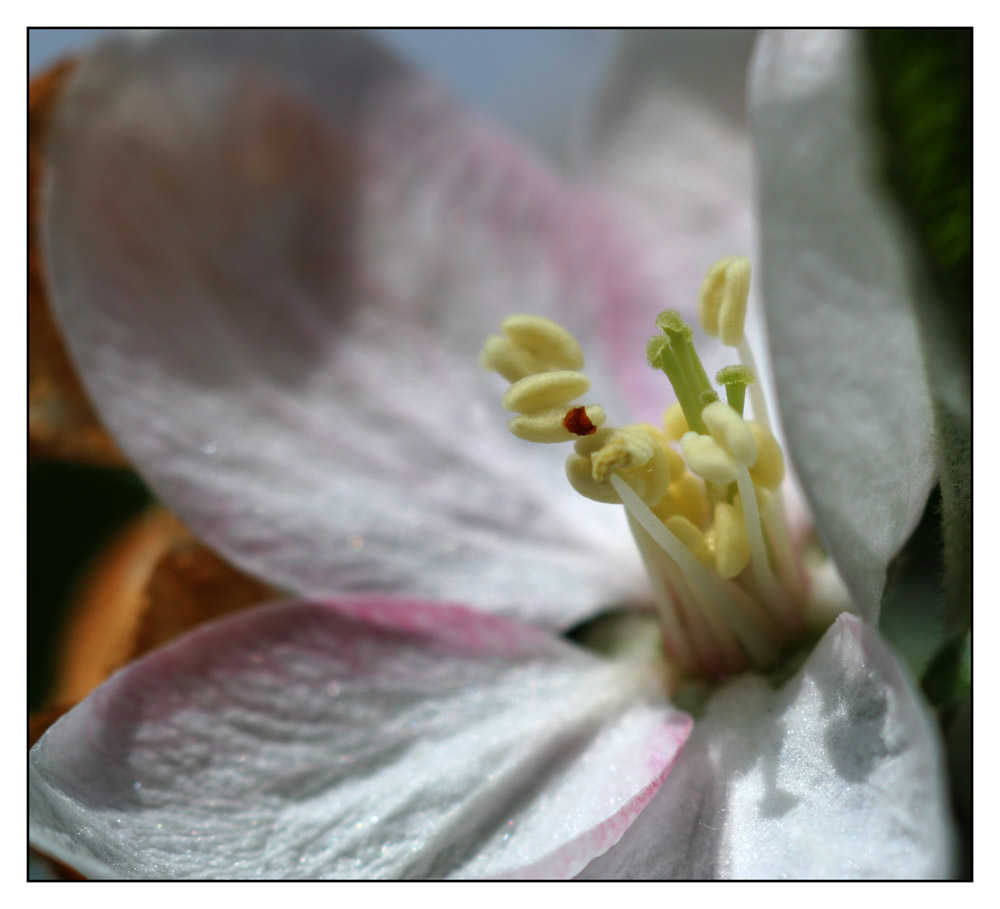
(852, 386)
(362, 739)
(276, 256)
(672, 153)
(838, 774)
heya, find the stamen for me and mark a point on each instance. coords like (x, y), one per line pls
(733, 312)
(690, 536)
(731, 600)
(717, 646)
(683, 635)
(730, 432)
(503, 357)
(581, 478)
(771, 591)
(658, 436)
(675, 424)
(708, 458)
(757, 398)
(549, 425)
(631, 452)
(623, 450)
(769, 468)
(732, 546)
(708, 521)
(722, 302)
(544, 390)
(767, 473)
(547, 341)
(710, 296)
(773, 520)
(542, 360)
(685, 496)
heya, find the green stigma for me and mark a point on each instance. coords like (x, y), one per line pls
(735, 379)
(674, 353)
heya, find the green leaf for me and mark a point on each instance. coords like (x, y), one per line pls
(957, 727)
(922, 95)
(948, 678)
(73, 511)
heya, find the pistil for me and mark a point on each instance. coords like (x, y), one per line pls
(735, 380)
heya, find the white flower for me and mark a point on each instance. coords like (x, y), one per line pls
(275, 256)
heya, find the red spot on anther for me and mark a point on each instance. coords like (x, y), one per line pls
(577, 422)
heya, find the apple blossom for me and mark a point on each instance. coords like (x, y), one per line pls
(275, 256)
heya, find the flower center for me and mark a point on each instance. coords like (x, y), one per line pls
(701, 492)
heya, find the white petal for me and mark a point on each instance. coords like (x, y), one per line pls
(839, 774)
(276, 257)
(372, 738)
(851, 381)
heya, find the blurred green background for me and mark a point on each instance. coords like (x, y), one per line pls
(73, 511)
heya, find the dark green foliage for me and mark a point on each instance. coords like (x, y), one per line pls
(73, 510)
(923, 102)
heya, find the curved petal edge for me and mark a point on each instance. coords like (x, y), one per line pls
(370, 738)
(839, 774)
(852, 383)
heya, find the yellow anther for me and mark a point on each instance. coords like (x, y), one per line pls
(769, 468)
(690, 536)
(585, 446)
(545, 390)
(674, 459)
(708, 459)
(623, 450)
(581, 478)
(677, 466)
(542, 360)
(685, 496)
(580, 471)
(630, 453)
(732, 547)
(655, 476)
(545, 340)
(504, 358)
(722, 300)
(558, 424)
(710, 543)
(654, 432)
(675, 424)
(730, 430)
(733, 313)
(710, 296)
